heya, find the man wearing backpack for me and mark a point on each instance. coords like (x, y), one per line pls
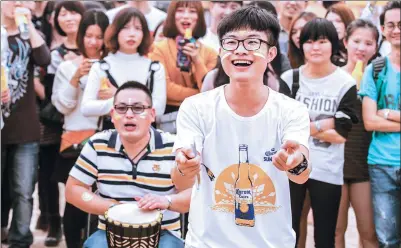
(381, 114)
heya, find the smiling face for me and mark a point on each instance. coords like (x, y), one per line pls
(219, 10)
(130, 36)
(132, 127)
(361, 45)
(69, 21)
(242, 65)
(391, 29)
(338, 24)
(289, 9)
(185, 18)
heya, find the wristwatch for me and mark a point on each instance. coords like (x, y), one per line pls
(299, 168)
(386, 113)
(169, 201)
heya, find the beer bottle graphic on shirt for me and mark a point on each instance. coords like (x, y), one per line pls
(244, 209)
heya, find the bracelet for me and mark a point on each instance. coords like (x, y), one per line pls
(179, 171)
(317, 125)
(169, 201)
(299, 168)
(386, 114)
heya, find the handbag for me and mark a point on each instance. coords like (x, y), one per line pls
(72, 142)
(50, 116)
(167, 122)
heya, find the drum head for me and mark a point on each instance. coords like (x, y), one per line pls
(130, 213)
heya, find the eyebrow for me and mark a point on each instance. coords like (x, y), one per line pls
(249, 36)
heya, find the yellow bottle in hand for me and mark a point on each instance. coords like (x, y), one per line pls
(357, 73)
(104, 84)
(188, 33)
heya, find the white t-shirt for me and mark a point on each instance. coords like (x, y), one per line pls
(154, 17)
(324, 97)
(211, 40)
(207, 119)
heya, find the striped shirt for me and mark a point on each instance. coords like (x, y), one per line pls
(103, 160)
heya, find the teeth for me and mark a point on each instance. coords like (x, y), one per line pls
(242, 62)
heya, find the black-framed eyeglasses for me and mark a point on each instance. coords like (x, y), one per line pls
(250, 44)
(136, 109)
(391, 25)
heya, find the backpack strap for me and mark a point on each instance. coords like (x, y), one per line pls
(62, 51)
(378, 65)
(158, 139)
(153, 67)
(295, 82)
(106, 67)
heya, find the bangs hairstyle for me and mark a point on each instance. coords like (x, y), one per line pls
(253, 18)
(342, 10)
(92, 17)
(294, 53)
(121, 19)
(72, 6)
(170, 30)
(319, 28)
(362, 23)
(389, 6)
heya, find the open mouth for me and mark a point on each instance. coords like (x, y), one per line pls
(131, 42)
(130, 126)
(186, 25)
(242, 63)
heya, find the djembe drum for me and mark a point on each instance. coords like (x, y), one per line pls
(129, 226)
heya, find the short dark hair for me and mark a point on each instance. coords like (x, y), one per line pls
(75, 6)
(134, 85)
(121, 19)
(265, 5)
(319, 28)
(253, 18)
(170, 29)
(92, 17)
(239, 2)
(389, 6)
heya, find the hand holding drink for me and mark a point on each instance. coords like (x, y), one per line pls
(22, 20)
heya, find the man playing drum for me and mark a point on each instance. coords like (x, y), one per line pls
(131, 163)
(250, 140)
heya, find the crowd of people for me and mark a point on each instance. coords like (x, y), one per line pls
(109, 97)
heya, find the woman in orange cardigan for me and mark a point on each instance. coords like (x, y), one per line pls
(184, 82)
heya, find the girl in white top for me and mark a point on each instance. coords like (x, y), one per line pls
(129, 40)
(70, 79)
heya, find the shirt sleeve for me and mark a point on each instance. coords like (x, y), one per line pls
(85, 169)
(188, 127)
(346, 115)
(296, 125)
(64, 95)
(41, 55)
(368, 86)
(159, 94)
(91, 106)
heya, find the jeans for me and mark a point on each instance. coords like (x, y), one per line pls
(21, 162)
(386, 196)
(325, 201)
(167, 240)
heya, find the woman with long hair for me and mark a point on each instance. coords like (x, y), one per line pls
(361, 41)
(186, 61)
(341, 16)
(68, 88)
(128, 40)
(294, 51)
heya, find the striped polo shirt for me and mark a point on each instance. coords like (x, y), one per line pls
(103, 160)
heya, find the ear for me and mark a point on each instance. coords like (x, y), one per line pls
(114, 115)
(271, 54)
(153, 114)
